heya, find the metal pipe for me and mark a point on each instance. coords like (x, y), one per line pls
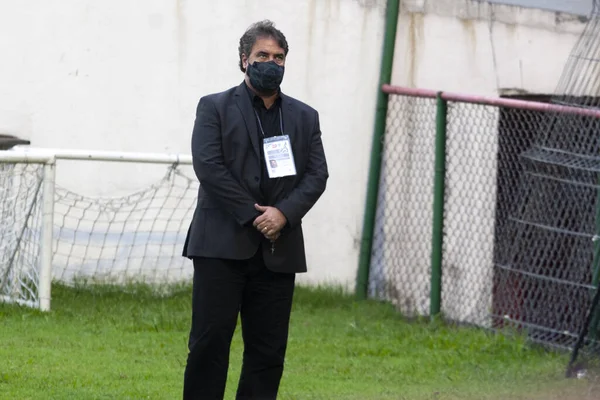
(438, 207)
(45, 273)
(42, 155)
(492, 101)
(593, 333)
(385, 76)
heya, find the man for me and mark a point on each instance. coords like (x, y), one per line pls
(245, 239)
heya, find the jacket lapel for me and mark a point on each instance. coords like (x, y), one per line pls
(288, 117)
(289, 128)
(243, 102)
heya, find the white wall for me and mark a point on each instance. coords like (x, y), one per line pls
(580, 7)
(126, 75)
(476, 47)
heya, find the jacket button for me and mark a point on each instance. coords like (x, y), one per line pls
(256, 178)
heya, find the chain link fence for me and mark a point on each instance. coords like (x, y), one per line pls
(469, 212)
(518, 218)
(401, 253)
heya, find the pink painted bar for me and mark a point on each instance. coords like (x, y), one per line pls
(490, 101)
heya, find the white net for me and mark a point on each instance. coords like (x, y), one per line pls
(20, 231)
(137, 238)
(134, 238)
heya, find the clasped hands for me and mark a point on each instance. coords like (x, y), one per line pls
(270, 222)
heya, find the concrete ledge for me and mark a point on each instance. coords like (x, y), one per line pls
(507, 14)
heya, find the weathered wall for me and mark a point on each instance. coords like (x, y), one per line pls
(125, 75)
(116, 75)
(477, 47)
(578, 7)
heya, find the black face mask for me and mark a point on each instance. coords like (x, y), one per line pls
(265, 77)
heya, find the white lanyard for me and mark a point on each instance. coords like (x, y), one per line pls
(260, 123)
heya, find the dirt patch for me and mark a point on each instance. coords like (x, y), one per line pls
(585, 388)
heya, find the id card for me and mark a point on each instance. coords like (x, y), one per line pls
(279, 156)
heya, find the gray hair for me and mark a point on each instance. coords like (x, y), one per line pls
(261, 29)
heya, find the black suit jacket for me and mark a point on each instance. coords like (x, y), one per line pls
(226, 156)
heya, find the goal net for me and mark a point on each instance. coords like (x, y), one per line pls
(132, 238)
(20, 231)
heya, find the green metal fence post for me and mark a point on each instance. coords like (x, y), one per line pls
(385, 76)
(438, 207)
(593, 330)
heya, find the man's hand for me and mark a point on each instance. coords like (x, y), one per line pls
(270, 223)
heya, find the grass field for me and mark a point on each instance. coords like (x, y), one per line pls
(132, 345)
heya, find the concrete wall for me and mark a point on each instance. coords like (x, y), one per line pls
(578, 7)
(481, 48)
(126, 75)
(116, 75)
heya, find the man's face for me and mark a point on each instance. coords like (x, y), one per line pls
(264, 50)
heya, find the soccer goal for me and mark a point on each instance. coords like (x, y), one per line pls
(49, 230)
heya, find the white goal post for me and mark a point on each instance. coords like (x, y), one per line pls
(50, 232)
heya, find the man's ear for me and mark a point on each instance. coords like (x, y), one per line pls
(244, 61)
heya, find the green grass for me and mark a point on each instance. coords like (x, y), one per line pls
(132, 345)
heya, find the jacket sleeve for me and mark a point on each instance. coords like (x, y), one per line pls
(209, 166)
(312, 184)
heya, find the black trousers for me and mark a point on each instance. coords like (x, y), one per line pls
(222, 290)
